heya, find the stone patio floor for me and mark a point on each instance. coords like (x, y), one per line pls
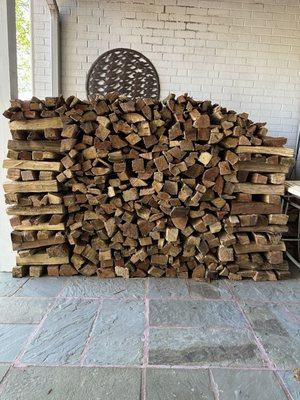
(85, 339)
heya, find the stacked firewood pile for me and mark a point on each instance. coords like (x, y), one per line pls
(116, 187)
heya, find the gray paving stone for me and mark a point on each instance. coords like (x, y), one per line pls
(194, 346)
(43, 287)
(3, 371)
(169, 384)
(247, 385)
(12, 340)
(292, 383)
(202, 313)
(22, 311)
(63, 335)
(213, 290)
(118, 334)
(294, 309)
(284, 291)
(278, 331)
(66, 383)
(9, 285)
(108, 288)
(169, 287)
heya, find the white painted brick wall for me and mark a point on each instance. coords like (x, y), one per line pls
(41, 64)
(243, 54)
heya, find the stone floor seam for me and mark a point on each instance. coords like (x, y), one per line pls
(35, 332)
(85, 350)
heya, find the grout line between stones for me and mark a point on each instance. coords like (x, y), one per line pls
(2, 381)
(86, 347)
(35, 331)
(271, 364)
(146, 342)
(213, 385)
(283, 385)
(16, 291)
(257, 341)
(153, 366)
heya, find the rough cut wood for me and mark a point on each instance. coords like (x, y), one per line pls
(41, 259)
(28, 210)
(259, 189)
(31, 187)
(38, 145)
(138, 187)
(36, 124)
(258, 166)
(33, 165)
(254, 207)
(280, 151)
(40, 227)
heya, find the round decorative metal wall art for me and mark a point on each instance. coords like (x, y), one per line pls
(125, 71)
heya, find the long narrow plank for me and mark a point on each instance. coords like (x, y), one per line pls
(28, 210)
(254, 188)
(40, 227)
(38, 243)
(254, 166)
(42, 259)
(266, 229)
(255, 207)
(258, 248)
(31, 187)
(35, 145)
(279, 151)
(36, 124)
(33, 165)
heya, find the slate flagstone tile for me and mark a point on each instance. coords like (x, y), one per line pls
(291, 382)
(247, 385)
(27, 311)
(294, 309)
(118, 334)
(279, 332)
(9, 285)
(196, 346)
(169, 287)
(44, 286)
(281, 291)
(72, 383)
(212, 290)
(13, 339)
(170, 384)
(113, 288)
(63, 335)
(201, 313)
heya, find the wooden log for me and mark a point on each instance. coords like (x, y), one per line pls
(42, 259)
(258, 248)
(40, 227)
(278, 219)
(31, 187)
(35, 145)
(279, 151)
(267, 229)
(38, 243)
(19, 271)
(258, 166)
(33, 165)
(255, 207)
(36, 124)
(253, 188)
(28, 210)
(35, 271)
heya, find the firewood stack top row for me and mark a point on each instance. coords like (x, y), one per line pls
(135, 188)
